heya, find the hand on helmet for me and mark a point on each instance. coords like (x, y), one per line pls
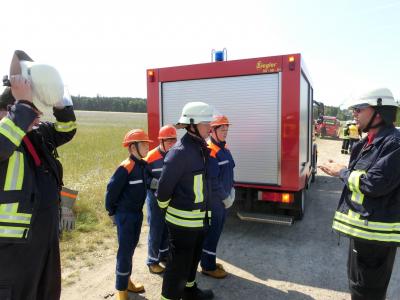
(21, 88)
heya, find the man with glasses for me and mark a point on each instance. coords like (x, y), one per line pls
(369, 207)
(158, 233)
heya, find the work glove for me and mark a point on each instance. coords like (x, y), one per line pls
(112, 218)
(66, 100)
(233, 194)
(67, 217)
(228, 201)
(154, 184)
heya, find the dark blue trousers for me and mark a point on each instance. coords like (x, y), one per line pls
(32, 270)
(128, 229)
(184, 255)
(158, 233)
(209, 255)
(369, 268)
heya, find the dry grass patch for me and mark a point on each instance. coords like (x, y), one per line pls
(89, 160)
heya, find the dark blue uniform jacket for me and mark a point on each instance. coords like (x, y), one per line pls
(183, 190)
(126, 190)
(220, 168)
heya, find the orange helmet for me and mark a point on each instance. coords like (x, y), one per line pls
(135, 135)
(219, 120)
(167, 132)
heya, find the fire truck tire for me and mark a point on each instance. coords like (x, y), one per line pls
(300, 202)
(314, 160)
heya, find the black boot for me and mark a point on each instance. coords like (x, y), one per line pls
(194, 293)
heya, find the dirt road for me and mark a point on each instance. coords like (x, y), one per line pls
(304, 261)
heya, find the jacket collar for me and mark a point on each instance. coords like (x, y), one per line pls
(138, 161)
(219, 144)
(384, 132)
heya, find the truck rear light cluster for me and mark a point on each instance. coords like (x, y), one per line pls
(150, 75)
(292, 63)
(275, 197)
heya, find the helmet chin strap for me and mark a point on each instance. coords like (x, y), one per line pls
(216, 134)
(196, 130)
(371, 120)
(136, 144)
(163, 146)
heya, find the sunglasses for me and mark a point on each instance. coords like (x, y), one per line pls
(359, 109)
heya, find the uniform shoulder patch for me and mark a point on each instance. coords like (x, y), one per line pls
(128, 164)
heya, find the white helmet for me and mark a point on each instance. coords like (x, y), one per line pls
(378, 97)
(348, 122)
(195, 113)
(47, 85)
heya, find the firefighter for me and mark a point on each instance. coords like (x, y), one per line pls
(369, 207)
(30, 184)
(158, 233)
(354, 134)
(125, 196)
(346, 138)
(183, 194)
(220, 170)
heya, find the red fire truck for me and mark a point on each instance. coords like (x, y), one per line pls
(327, 126)
(269, 101)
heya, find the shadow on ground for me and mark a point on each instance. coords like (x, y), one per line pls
(308, 253)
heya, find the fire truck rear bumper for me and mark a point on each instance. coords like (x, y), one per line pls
(266, 218)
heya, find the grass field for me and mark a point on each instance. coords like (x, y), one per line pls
(89, 160)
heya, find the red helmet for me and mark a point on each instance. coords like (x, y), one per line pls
(219, 120)
(167, 132)
(135, 135)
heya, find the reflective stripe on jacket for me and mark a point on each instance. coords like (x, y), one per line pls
(353, 132)
(346, 133)
(18, 188)
(369, 207)
(182, 189)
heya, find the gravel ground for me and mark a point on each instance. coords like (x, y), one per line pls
(303, 261)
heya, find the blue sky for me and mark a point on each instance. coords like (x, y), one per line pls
(105, 47)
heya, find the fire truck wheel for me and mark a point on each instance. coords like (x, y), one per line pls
(313, 176)
(314, 161)
(299, 202)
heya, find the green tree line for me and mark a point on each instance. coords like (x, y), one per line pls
(341, 114)
(127, 104)
(99, 103)
(333, 111)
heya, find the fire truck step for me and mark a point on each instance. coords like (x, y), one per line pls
(265, 218)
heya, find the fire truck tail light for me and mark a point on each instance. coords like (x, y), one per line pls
(292, 63)
(276, 197)
(286, 198)
(150, 75)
